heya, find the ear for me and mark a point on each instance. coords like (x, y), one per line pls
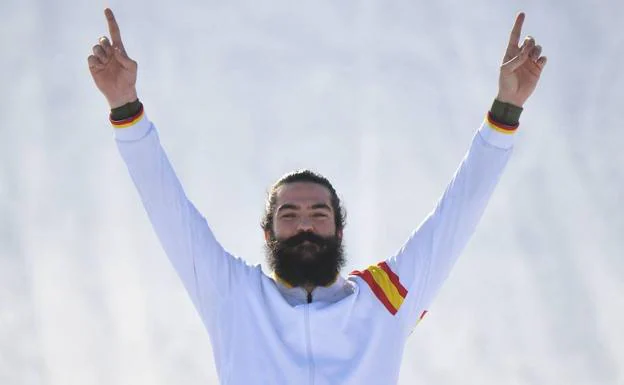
(339, 234)
(267, 236)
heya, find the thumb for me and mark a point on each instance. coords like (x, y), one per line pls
(517, 61)
(123, 59)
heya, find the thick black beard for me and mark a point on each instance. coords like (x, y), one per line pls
(314, 264)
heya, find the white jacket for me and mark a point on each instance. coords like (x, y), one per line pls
(352, 332)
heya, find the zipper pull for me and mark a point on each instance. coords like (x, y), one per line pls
(309, 297)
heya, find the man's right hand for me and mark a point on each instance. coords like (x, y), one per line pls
(112, 70)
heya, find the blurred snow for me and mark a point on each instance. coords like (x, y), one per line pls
(381, 97)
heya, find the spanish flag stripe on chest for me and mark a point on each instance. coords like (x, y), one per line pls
(385, 284)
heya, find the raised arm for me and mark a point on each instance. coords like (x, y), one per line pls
(424, 262)
(206, 269)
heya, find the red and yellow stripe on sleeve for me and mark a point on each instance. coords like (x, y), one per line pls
(128, 122)
(500, 127)
(385, 284)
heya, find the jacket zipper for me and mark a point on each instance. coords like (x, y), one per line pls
(308, 340)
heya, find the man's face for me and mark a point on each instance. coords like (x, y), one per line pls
(304, 247)
(303, 206)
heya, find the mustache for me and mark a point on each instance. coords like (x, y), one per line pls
(299, 238)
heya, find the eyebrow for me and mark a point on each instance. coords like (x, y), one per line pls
(320, 206)
(316, 206)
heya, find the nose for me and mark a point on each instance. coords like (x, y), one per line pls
(305, 225)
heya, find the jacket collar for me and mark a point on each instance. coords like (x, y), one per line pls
(334, 292)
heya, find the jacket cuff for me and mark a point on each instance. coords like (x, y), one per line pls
(132, 128)
(497, 134)
(505, 113)
(126, 111)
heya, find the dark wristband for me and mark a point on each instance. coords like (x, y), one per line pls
(505, 113)
(126, 111)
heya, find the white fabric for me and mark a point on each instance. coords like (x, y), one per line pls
(265, 333)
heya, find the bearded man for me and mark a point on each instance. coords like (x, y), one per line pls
(306, 323)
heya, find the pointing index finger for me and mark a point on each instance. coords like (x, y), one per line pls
(514, 37)
(113, 28)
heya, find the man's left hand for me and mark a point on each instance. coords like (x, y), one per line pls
(521, 68)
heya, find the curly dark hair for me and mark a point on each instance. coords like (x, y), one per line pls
(340, 214)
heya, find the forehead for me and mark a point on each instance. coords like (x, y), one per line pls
(302, 193)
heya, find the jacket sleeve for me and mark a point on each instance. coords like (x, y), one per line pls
(407, 282)
(207, 271)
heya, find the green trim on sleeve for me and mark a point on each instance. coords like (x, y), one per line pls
(505, 113)
(126, 111)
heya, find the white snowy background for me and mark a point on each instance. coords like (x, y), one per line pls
(383, 97)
